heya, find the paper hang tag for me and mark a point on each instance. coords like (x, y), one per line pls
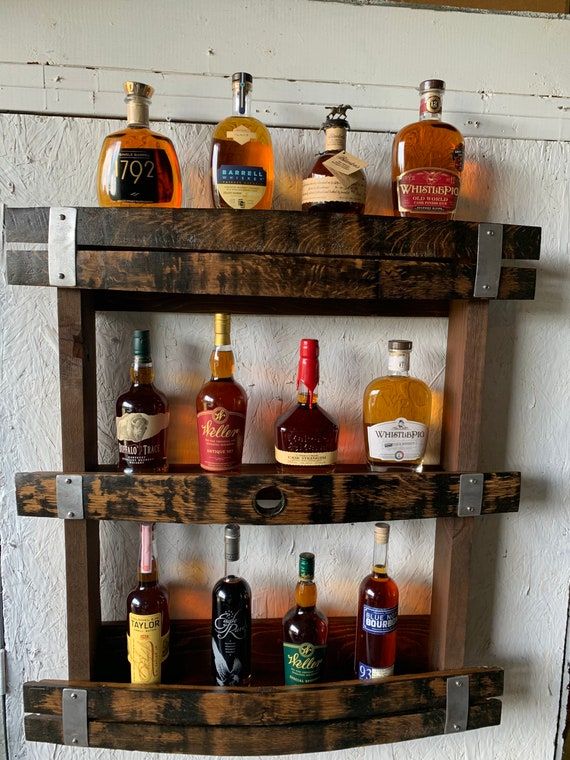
(345, 167)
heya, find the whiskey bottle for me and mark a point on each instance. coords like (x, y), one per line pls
(337, 181)
(242, 174)
(377, 615)
(221, 406)
(305, 629)
(138, 167)
(231, 619)
(142, 415)
(396, 414)
(427, 161)
(148, 630)
(306, 436)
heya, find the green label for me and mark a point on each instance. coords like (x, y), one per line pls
(303, 662)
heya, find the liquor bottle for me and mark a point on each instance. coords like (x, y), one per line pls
(396, 414)
(427, 161)
(242, 173)
(148, 630)
(306, 436)
(337, 181)
(305, 629)
(377, 615)
(142, 415)
(221, 406)
(138, 167)
(231, 619)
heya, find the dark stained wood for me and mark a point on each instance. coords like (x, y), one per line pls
(76, 332)
(275, 232)
(350, 494)
(463, 396)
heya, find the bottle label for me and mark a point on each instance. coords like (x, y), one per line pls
(398, 361)
(331, 189)
(430, 102)
(379, 620)
(231, 632)
(305, 458)
(141, 437)
(433, 191)
(398, 440)
(345, 167)
(241, 187)
(241, 134)
(335, 138)
(220, 438)
(147, 648)
(141, 175)
(303, 663)
(367, 671)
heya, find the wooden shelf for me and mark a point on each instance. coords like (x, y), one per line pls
(349, 494)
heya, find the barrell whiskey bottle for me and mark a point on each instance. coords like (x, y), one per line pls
(377, 615)
(336, 182)
(305, 629)
(427, 161)
(396, 414)
(306, 436)
(148, 631)
(231, 619)
(221, 406)
(138, 167)
(242, 171)
(142, 415)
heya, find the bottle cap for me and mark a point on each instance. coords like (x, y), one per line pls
(242, 77)
(231, 542)
(432, 84)
(222, 329)
(138, 89)
(381, 533)
(306, 566)
(308, 372)
(141, 344)
(399, 345)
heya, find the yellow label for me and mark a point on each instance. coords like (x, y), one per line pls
(146, 647)
(241, 134)
(324, 189)
(305, 458)
(242, 196)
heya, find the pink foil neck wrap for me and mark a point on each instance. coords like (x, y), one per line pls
(146, 548)
(308, 372)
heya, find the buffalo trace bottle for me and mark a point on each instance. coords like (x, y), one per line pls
(148, 629)
(305, 629)
(231, 619)
(242, 173)
(306, 436)
(221, 406)
(427, 161)
(142, 415)
(377, 615)
(138, 167)
(336, 182)
(396, 414)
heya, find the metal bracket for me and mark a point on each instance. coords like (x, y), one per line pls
(470, 494)
(74, 712)
(489, 259)
(61, 247)
(457, 704)
(3, 681)
(69, 496)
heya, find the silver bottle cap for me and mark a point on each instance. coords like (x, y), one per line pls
(231, 542)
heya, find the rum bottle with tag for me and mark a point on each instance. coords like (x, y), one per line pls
(242, 174)
(377, 616)
(138, 167)
(427, 161)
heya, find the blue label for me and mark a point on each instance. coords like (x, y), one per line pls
(365, 672)
(379, 620)
(242, 175)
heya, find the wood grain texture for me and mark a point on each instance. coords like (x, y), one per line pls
(350, 494)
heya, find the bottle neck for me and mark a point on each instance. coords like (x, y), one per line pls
(148, 572)
(222, 362)
(241, 100)
(399, 363)
(137, 112)
(335, 139)
(306, 593)
(306, 396)
(430, 105)
(380, 559)
(307, 380)
(142, 371)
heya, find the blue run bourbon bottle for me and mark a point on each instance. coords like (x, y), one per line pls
(231, 620)
(377, 615)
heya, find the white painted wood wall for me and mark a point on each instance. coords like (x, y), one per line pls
(509, 91)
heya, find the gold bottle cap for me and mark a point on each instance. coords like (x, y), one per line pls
(138, 89)
(222, 327)
(381, 533)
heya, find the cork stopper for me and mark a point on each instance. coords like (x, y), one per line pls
(222, 328)
(432, 84)
(399, 345)
(231, 542)
(381, 533)
(138, 90)
(306, 566)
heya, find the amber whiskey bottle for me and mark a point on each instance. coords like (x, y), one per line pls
(306, 436)
(427, 161)
(377, 616)
(138, 167)
(396, 414)
(148, 631)
(305, 629)
(221, 406)
(242, 174)
(231, 619)
(330, 189)
(142, 415)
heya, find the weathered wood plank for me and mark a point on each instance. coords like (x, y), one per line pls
(350, 494)
(263, 740)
